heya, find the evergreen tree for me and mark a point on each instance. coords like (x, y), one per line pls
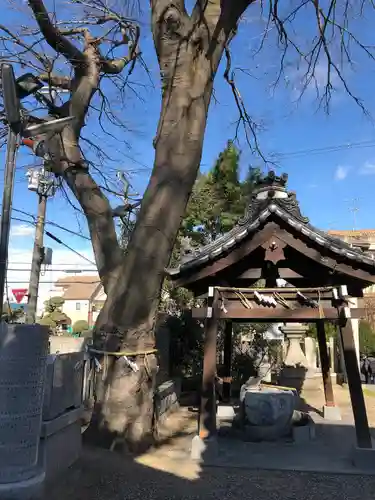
(53, 315)
(366, 338)
(228, 200)
(248, 186)
(218, 200)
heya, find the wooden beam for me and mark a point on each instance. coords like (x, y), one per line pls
(328, 262)
(326, 266)
(257, 273)
(355, 385)
(240, 252)
(304, 314)
(292, 302)
(286, 293)
(324, 363)
(227, 360)
(282, 290)
(207, 415)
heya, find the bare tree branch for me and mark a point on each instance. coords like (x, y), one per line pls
(29, 48)
(244, 118)
(116, 66)
(58, 81)
(333, 31)
(53, 36)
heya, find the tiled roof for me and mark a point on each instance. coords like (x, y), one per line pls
(353, 233)
(285, 209)
(78, 287)
(68, 280)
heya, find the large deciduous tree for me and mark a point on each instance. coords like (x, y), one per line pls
(189, 48)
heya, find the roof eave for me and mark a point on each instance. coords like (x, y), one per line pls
(227, 241)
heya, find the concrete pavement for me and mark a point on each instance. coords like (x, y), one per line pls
(107, 476)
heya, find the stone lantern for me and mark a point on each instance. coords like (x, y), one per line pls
(296, 371)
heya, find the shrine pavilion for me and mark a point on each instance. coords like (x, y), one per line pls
(324, 276)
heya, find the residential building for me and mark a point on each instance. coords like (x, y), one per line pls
(363, 239)
(84, 296)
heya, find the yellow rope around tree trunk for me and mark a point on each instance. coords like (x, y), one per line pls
(124, 353)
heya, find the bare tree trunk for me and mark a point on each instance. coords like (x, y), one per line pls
(126, 322)
(188, 56)
(189, 48)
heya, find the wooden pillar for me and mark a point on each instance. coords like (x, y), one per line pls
(325, 364)
(354, 380)
(227, 359)
(207, 414)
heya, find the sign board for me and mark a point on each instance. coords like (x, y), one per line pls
(19, 294)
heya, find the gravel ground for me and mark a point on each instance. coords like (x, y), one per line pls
(103, 475)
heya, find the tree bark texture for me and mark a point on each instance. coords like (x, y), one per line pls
(189, 50)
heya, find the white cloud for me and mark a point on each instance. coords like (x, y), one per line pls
(304, 79)
(341, 173)
(368, 168)
(19, 271)
(22, 230)
(320, 76)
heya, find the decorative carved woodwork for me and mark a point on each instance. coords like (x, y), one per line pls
(274, 250)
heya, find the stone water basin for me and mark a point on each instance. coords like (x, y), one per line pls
(268, 413)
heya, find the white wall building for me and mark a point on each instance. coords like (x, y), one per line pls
(83, 295)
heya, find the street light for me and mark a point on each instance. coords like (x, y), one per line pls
(12, 91)
(27, 84)
(47, 127)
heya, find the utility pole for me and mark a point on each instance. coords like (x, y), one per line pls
(37, 260)
(41, 182)
(19, 125)
(6, 211)
(13, 119)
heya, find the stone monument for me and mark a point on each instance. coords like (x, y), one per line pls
(23, 361)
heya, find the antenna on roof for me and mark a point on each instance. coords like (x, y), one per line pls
(354, 209)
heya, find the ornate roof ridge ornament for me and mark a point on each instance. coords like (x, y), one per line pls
(272, 180)
(271, 189)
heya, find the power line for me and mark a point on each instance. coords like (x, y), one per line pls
(55, 238)
(51, 223)
(69, 271)
(19, 263)
(327, 149)
(65, 282)
(52, 236)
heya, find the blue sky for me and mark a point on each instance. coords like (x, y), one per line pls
(328, 184)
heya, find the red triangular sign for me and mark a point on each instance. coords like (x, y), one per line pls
(19, 294)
